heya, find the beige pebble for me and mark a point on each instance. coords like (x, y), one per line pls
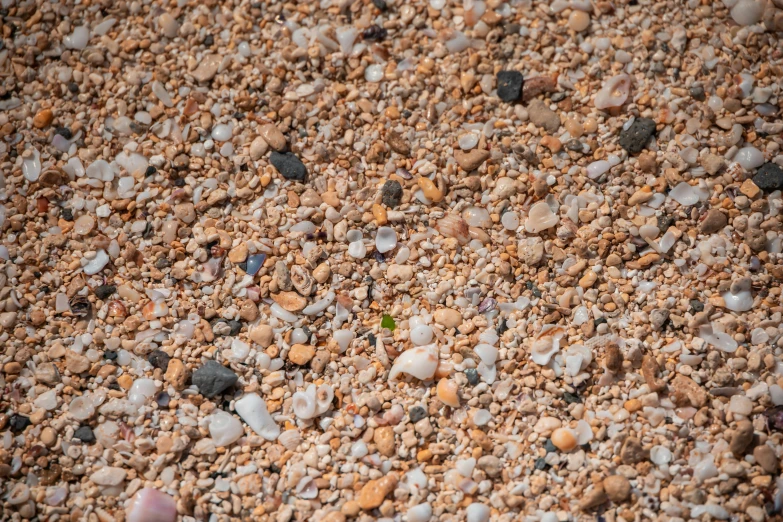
(472, 159)
(301, 354)
(384, 440)
(447, 317)
(273, 136)
(617, 488)
(374, 492)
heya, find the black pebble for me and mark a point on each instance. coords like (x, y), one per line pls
(570, 398)
(416, 414)
(159, 359)
(162, 262)
(472, 375)
(288, 165)
(510, 85)
(769, 177)
(380, 4)
(151, 170)
(213, 379)
(635, 138)
(697, 306)
(18, 423)
(163, 399)
(697, 93)
(209, 40)
(65, 132)
(375, 33)
(391, 193)
(73, 87)
(540, 463)
(67, 214)
(85, 435)
(104, 291)
(110, 356)
(502, 327)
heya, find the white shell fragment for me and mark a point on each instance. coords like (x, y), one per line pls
(419, 362)
(252, 409)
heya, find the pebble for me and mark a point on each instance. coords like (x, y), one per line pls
(593, 498)
(151, 505)
(374, 492)
(213, 379)
(634, 139)
(258, 147)
(617, 488)
(542, 116)
(743, 436)
(288, 165)
(177, 374)
(384, 441)
(471, 160)
(766, 458)
(43, 118)
(301, 354)
(159, 359)
(273, 137)
(76, 363)
(207, 68)
(713, 221)
(769, 177)
(391, 193)
(109, 476)
(632, 452)
(18, 423)
(509, 86)
(447, 317)
(416, 413)
(578, 20)
(84, 434)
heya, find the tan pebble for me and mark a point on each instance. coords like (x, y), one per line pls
(48, 437)
(384, 440)
(258, 148)
(590, 125)
(647, 162)
(448, 392)
(588, 279)
(322, 273)
(574, 128)
(593, 499)
(617, 488)
(273, 136)
(106, 371)
(392, 112)
(334, 516)
(238, 254)
(301, 354)
(766, 458)
(564, 439)
(447, 317)
(43, 119)
(749, 188)
(291, 301)
(177, 374)
(424, 455)
(472, 159)
(374, 492)
(125, 381)
(248, 311)
(379, 213)
(76, 363)
(633, 405)
(330, 198)
(430, 190)
(578, 21)
(12, 368)
(551, 143)
(643, 195)
(351, 508)
(310, 198)
(399, 273)
(262, 334)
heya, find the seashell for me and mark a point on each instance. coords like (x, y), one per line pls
(540, 218)
(614, 92)
(151, 505)
(252, 409)
(306, 488)
(302, 280)
(324, 396)
(546, 344)
(155, 309)
(739, 297)
(385, 239)
(448, 392)
(290, 301)
(420, 362)
(80, 306)
(564, 439)
(452, 225)
(117, 309)
(304, 403)
(290, 439)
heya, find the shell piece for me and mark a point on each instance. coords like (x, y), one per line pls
(452, 225)
(252, 409)
(385, 239)
(304, 403)
(302, 280)
(540, 218)
(151, 505)
(564, 439)
(224, 428)
(324, 396)
(420, 362)
(614, 92)
(290, 439)
(448, 392)
(546, 344)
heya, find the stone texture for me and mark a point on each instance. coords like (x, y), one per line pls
(213, 379)
(634, 139)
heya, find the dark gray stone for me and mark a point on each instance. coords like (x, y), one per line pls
(84, 434)
(104, 291)
(213, 379)
(510, 85)
(769, 177)
(159, 359)
(288, 165)
(635, 138)
(416, 414)
(391, 193)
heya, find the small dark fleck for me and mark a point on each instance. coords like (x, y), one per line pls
(600, 320)
(162, 262)
(541, 463)
(110, 356)
(371, 339)
(114, 386)
(375, 33)
(558, 96)
(163, 399)
(104, 291)
(151, 170)
(65, 132)
(380, 4)
(472, 375)
(159, 359)
(67, 214)
(502, 327)
(416, 414)
(84, 434)
(148, 231)
(243, 266)
(570, 398)
(179, 182)
(209, 40)
(696, 305)
(536, 292)
(73, 87)
(18, 423)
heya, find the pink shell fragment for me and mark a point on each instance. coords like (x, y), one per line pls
(151, 505)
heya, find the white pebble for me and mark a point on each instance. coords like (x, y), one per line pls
(749, 158)
(373, 73)
(224, 428)
(477, 513)
(421, 335)
(740, 405)
(468, 141)
(385, 239)
(254, 412)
